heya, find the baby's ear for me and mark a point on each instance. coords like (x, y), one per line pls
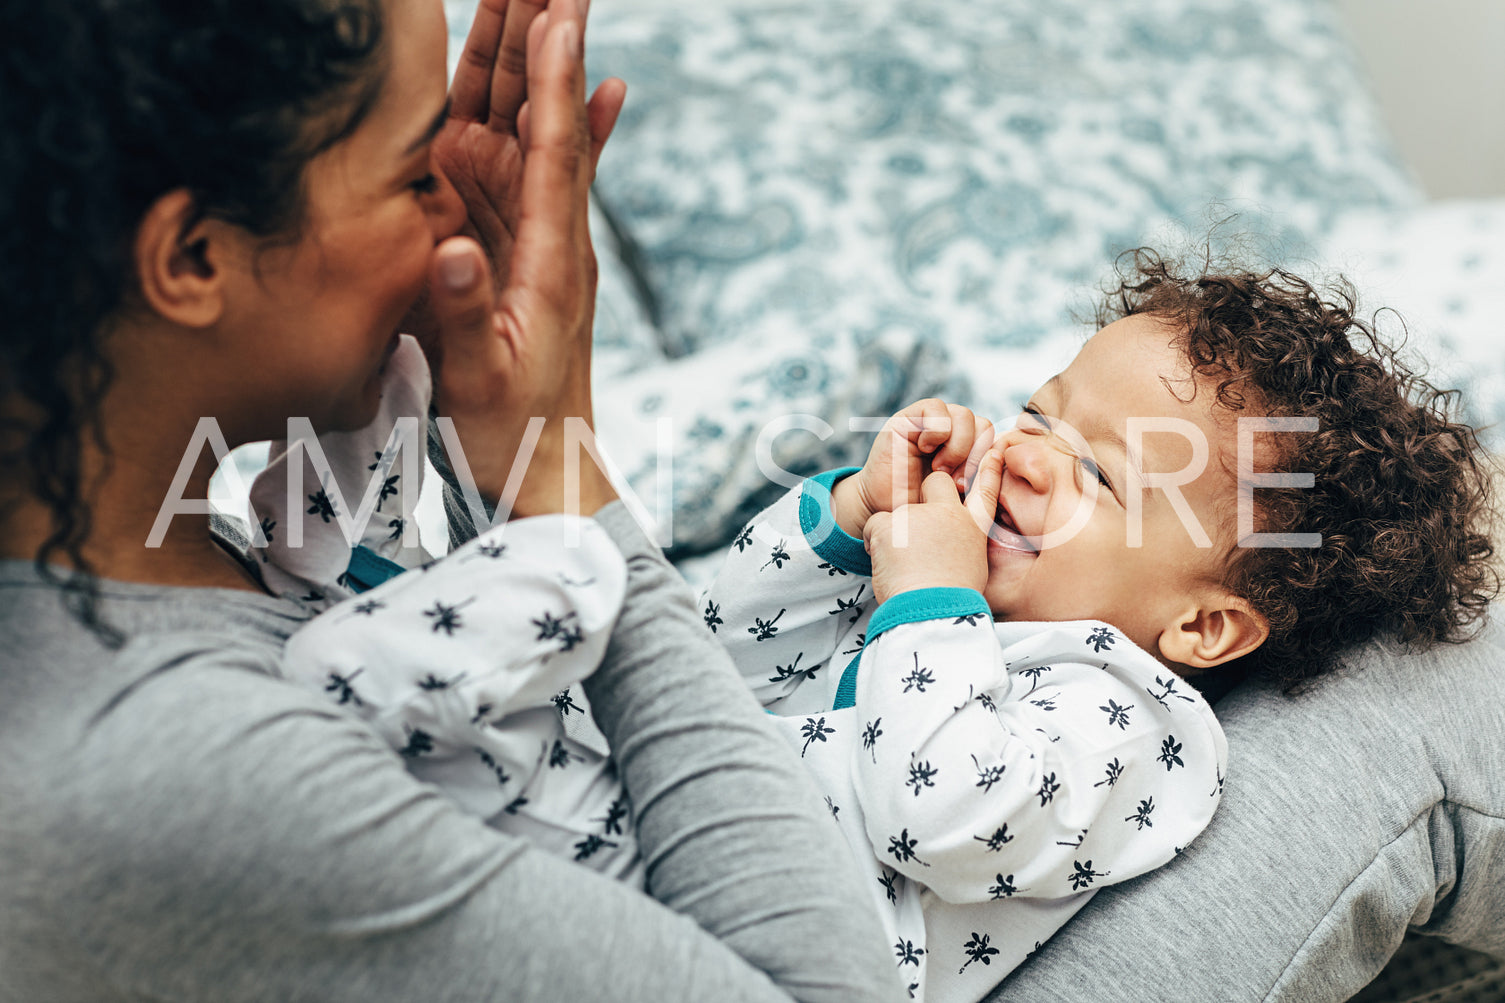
(1223, 628)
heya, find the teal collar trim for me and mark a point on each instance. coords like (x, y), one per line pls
(368, 569)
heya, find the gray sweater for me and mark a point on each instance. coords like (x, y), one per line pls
(178, 823)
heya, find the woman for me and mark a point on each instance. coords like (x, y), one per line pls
(226, 210)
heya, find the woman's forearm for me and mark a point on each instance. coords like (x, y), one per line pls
(730, 828)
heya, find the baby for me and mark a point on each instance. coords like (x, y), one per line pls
(999, 692)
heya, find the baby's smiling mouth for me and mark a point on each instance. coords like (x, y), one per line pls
(1004, 533)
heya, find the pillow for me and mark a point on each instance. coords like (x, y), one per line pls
(1441, 269)
(978, 166)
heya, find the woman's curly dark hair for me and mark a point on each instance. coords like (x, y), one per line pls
(105, 106)
(1402, 494)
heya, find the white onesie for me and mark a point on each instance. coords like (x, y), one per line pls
(989, 776)
(467, 664)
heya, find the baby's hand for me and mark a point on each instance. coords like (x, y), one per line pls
(928, 436)
(939, 543)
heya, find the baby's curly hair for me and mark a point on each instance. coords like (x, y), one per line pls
(1402, 495)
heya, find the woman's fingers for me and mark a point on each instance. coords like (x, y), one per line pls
(509, 80)
(602, 111)
(470, 92)
(553, 245)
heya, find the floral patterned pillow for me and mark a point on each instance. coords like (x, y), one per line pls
(836, 208)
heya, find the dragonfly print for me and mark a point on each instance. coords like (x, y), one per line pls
(814, 730)
(342, 685)
(995, 842)
(1167, 690)
(778, 556)
(918, 679)
(1142, 816)
(764, 630)
(870, 734)
(977, 949)
(847, 605)
(616, 813)
(1083, 876)
(1117, 714)
(447, 618)
(1101, 638)
(908, 953)
(921, 774)
(1003, 887)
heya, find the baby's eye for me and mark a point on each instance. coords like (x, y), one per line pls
(1031, 420)
(426, 185)
(1093, 470)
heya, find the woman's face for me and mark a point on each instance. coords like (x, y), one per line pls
(311, 324)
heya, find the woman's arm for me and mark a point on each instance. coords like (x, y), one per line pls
(731, 828)
(257, 844)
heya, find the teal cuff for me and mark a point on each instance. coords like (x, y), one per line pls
(926, 604)
(910, 607)
(368, 569)
(829, 541)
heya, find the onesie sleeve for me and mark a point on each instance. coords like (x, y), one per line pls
(791, 602)
(459, 665)
(1040, 760)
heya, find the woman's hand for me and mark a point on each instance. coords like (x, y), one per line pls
(482, 147)
(513, 301)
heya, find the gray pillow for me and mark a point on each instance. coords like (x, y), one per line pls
(1372, 803)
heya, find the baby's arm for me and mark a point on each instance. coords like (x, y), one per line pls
(790, 602)
(307, 501)
(457, 665)
(1065, 760)
(795, 591)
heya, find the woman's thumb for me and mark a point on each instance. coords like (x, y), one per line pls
(460, 297)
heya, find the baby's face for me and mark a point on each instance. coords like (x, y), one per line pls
(1074, 498)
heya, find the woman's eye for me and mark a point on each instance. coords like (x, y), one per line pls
(426, 185)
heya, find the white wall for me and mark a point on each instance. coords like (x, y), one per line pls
(1438, 67)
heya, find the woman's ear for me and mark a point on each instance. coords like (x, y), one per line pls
(1218, 631)
(179, 261)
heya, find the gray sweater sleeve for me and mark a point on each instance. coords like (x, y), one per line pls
(205, 832)
(731, 829)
